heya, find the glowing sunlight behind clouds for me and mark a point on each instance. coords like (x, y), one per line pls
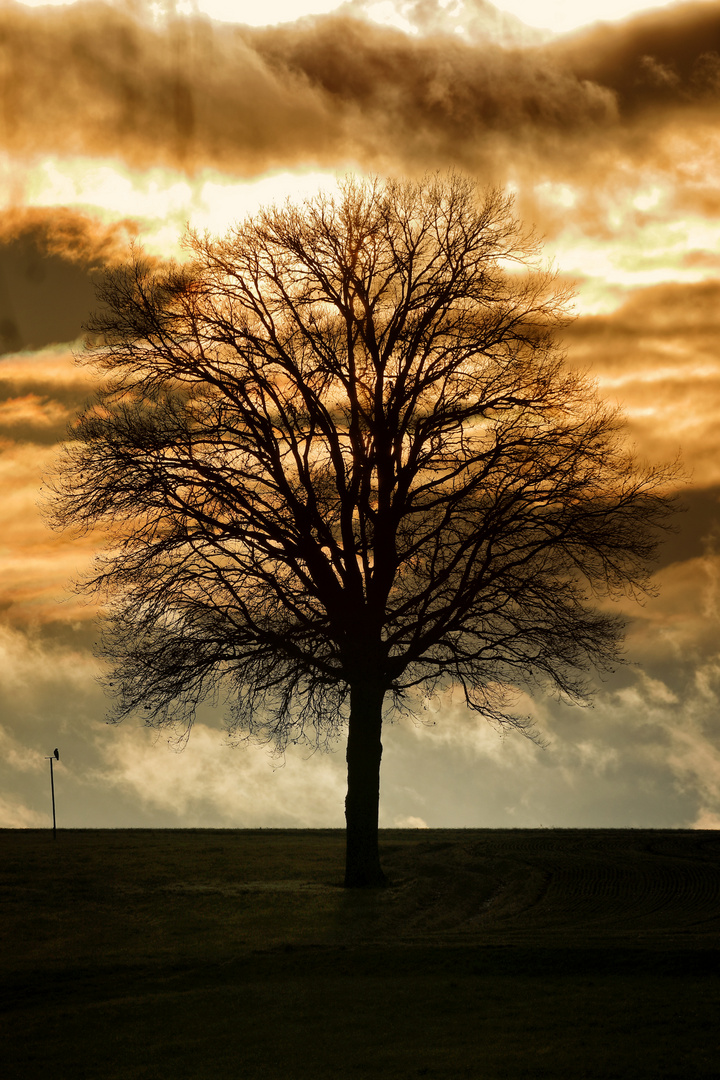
(562, 16)
(559, 16)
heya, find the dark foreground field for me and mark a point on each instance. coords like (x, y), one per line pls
(495, 954)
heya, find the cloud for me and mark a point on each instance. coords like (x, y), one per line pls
(644, 755)
(33, 410)
(66, 233)
(609, 138)
(604, 767)
(47, 257)
(93, 80)
(128, 774)
(40, 392)
(212, 784)
(658, 356)
(409, 821)
(666, 55)
(36, 565)
(15, 815)
(472, 20)
(47, 690)
(600, 113)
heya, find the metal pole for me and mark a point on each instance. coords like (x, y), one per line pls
(52, 789)
(55, 756)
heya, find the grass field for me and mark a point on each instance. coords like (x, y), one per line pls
(561, 954)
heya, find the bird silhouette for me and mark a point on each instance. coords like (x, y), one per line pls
(56, 752)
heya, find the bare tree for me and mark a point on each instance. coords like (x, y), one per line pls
(343, 465)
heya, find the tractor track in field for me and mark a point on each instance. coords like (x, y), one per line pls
(624, 885)
(171, 893)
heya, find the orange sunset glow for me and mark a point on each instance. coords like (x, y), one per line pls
(125, 122)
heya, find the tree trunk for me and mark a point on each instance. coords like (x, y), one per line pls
(364, 750)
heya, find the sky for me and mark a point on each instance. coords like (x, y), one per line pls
(123, 122)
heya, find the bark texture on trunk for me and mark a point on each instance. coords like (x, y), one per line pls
(364, 751)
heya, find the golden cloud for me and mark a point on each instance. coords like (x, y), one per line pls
(36, 565)
(658, 356)
(623, 148)
(67, 233)
(603, 114)
(94, 80)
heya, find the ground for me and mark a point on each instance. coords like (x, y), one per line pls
(494, 954)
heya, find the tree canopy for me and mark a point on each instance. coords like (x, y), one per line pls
(343, 464)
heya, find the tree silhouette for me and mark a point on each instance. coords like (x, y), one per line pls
(342, 465)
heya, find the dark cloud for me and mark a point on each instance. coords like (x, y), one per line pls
(46, 262)
(697, 528)
(43, 298)
(93, 79)
(432, 95)
(70, 234)
(668, 55)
